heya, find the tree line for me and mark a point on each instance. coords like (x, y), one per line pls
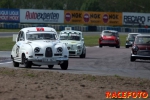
(83, 5)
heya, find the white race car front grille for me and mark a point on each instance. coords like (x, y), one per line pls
(48, 52)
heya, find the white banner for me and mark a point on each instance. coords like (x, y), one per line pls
(136, 18)
(41, 16)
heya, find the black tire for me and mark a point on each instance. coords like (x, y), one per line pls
(26, 63)
(64, 65)
(100, 46)
(118, 46)
(15, 64)
(132, 59)
(50, 66)
(83, 55)
(127, 46)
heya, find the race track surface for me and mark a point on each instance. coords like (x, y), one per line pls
(98, 61)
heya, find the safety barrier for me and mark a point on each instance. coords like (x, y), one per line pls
(76, 27)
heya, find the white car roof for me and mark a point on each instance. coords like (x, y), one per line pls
(38, 29)
(143, 35)
(134, 33)
(70, 31)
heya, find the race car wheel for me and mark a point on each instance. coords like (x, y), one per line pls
(132, 59)
(118, 46)
(16, 64)
(25, 61)
(127, 46)
(100, 46)
(83, 55)
(50, 66)
(64, 65)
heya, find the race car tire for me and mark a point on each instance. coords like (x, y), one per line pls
(50, 66)
(64, 65)
(25, 61)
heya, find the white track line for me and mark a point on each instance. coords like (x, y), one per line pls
(5, 63)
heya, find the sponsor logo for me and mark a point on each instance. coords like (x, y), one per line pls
(9, 15)
(68, 17)
(105, 18)
(86, 17)
(134, 19)
(51, 17)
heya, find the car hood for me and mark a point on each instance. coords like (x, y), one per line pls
(72, 42)
(43, 43)
(109, 37)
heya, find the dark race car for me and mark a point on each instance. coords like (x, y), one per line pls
(141, 48)
(130, 39)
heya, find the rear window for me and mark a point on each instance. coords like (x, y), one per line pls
(142, 40)
(110, 33)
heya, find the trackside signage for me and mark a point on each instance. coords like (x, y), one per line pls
(41, 16)
(92, 18)
(73, 17)
(9, 15)
(136, 18)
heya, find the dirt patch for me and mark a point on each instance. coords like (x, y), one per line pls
(27, 84)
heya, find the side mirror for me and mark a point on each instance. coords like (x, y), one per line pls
(82, 39)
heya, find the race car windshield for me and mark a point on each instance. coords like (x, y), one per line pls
(42, 36)
(143, 40)
(132, 36)
(70, 37)
(107, 33)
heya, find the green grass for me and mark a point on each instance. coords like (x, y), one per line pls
(6, 43)
(93, 40)
(9, 30)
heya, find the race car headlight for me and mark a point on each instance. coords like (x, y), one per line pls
(79, 47)
(135, 48)
(59, 49)
(68, 48)
(37, 49)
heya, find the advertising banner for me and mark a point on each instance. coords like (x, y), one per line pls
(92, 18)
(73, 17)
(111, 18)
(136, 18)
(41, 16)
(9, 15)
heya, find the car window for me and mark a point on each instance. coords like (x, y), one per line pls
(132, 36)
(109, 33)
(21, 36)
(41, 36)
(142, 40)
(70, 36)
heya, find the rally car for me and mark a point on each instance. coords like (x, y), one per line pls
(109, 38)
(74, 41)
(36, 46)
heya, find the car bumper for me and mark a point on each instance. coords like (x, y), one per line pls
(75, 52)
(140, 57)
(48, 61)
(109, 44)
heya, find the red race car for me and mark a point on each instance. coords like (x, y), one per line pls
(109, 38)
(141, 48)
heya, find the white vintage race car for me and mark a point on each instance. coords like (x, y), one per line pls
(39, 46)
(74, 41)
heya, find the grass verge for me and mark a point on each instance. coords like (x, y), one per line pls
(6, 43)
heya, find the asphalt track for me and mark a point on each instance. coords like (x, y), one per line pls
(98, 61)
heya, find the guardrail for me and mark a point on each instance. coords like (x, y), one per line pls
(76, 27)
